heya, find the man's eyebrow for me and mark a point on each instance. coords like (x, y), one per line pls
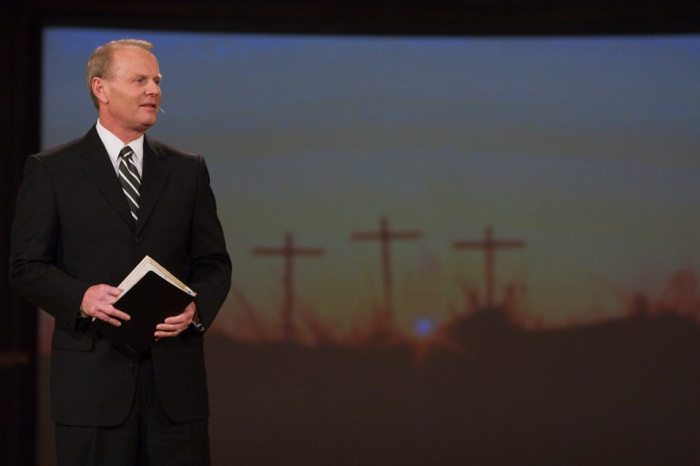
(142, 75)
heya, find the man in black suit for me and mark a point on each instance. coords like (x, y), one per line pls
(79, 230)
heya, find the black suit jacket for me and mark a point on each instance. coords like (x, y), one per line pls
(73, 229)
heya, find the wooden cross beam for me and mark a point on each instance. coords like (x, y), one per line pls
(489, 245)
(385, 235)
(289, 252)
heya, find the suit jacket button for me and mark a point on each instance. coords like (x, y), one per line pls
(139, 239)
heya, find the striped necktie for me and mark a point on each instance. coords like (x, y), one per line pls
(130, 180)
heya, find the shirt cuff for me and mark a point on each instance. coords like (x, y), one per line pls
(197, 323)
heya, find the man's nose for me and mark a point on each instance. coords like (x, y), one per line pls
(153, 88)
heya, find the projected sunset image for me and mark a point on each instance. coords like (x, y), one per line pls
(440, 245)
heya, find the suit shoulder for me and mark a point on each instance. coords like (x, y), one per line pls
(165, 150)
(57, 152)
(67, 152)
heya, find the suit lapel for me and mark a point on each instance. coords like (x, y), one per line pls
(99, 169)
(153, 178)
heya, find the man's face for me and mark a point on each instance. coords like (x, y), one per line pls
(132, 91)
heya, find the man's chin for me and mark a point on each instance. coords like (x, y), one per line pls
(147, 123)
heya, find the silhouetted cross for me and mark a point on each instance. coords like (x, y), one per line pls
(489, 244)
(289, 252)
(385, 235)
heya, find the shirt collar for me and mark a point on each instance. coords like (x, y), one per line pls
(114, 145)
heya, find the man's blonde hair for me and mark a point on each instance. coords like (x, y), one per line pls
(100, 61)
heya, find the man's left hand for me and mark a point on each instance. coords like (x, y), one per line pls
(174, 325)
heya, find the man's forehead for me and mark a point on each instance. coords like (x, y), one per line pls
(135, 60)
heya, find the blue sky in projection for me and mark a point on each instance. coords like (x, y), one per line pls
(584, 148)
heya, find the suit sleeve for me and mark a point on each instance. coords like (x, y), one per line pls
(34, 273)
(210, 265)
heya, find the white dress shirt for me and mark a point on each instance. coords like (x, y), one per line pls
(114, 145)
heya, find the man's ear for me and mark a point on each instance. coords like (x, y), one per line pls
(99, 89)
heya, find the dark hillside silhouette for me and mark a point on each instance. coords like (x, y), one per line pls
(610, 393)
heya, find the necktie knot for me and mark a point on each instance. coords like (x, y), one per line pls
(126, 153)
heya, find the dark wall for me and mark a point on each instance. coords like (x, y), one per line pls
(19, 111)
(20, 29)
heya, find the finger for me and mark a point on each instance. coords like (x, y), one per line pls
(110, 299)
(175, 320)
(185, 316)
(103, 291)
(112, 290)
(107, 318)
(108, 313)
(166, 334)
(114, 312)
(169, 327)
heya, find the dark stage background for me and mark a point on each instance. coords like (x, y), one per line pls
(492, 212)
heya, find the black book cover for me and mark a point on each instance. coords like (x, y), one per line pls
(148, 303)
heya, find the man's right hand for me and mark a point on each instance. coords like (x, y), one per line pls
(97, 303)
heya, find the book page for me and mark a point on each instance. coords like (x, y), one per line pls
(167, 276)
(149, 264)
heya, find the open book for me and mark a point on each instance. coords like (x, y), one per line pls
(150, 294)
